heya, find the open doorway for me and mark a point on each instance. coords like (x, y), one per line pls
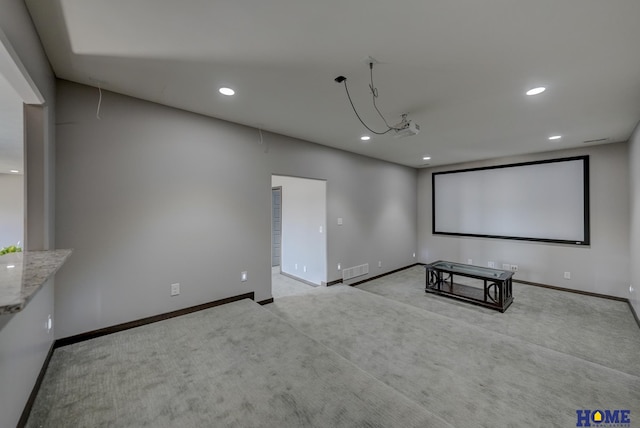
(298, 244)
(12, 179)
(23, 125)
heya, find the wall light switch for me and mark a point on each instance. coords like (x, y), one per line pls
(379, 264)
(339, 266)
(567, 275)
(339, 221)
(243, 276)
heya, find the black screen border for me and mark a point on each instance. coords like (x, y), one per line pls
(586, 234)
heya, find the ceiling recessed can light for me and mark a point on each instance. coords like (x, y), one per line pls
(426, 157)
(536, 91)
(555, 137)
(365, 138)
(227, 91)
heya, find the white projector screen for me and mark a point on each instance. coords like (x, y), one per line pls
(536, 201)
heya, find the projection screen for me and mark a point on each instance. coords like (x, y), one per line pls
(536, 201)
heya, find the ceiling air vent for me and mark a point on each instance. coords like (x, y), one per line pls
(598, 140)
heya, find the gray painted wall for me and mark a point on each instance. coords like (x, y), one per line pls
(24, 341)
(602, 267)
(304, 213)
(11, 209)
(634, 168)
(150, 195)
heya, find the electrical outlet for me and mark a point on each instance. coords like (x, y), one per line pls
(304, 268)
(567, 275)
(320, 229)
(339, 266)
(49, 324)
(379, 264)
(296, 266)
(491, 264)
(469, 261)
(506, 266)
(414, 255)
(175, 289)
(243, 276)
(631, 289)
(514, 268)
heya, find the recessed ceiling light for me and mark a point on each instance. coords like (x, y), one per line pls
(555, 137)
(536, 91)
(426, 158)
(15, 171)
(365, 138)
(227, 91)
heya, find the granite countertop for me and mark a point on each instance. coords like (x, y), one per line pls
(23, 274)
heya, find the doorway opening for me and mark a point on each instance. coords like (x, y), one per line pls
(18, 97)
(298, 235)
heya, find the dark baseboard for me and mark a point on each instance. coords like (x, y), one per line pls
(337, 281)
(571, 290)
(137, 323)
(114, 329)
(265, 302)
(384, 274)
(36, 387)
(586, 293)
(633, 311)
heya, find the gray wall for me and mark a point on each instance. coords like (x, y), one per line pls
(11, 209)
(634, 167)
(151, 195)
(602, 267)
(24, 341)
(304, 214)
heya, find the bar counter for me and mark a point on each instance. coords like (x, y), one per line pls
(23, 274)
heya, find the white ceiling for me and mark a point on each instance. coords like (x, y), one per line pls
(460, 68)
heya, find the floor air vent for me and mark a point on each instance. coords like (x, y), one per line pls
(355, 271)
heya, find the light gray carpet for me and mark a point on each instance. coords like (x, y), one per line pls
(342, 356)
(235, 365)
(470, 376)
(595, 329)
(282, 285)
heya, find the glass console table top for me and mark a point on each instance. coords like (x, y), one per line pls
(471, 270)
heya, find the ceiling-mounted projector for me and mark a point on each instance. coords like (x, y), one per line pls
(406, 128)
